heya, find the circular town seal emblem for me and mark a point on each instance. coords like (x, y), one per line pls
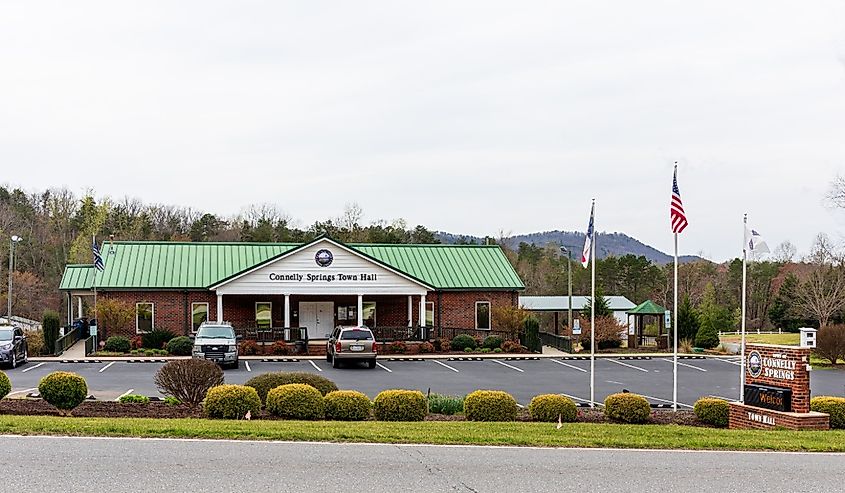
(323, 258)
(755, 364)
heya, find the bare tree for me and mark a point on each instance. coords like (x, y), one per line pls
(785, 252)
(822, 293)
(836, 192)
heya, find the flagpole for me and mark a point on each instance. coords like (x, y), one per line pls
(742, 337)
(593, 312)
(94, 242)
(675, 337)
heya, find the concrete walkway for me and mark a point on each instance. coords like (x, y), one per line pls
(77, 351)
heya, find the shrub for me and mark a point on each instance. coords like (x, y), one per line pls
(437, 344)
(35, 341)
(830, 343)
(468, 350)
(279, 348)
(490, 405)
(397, 347)
(296, 401)
(188, 380)
(445, 404)
(549, 407)
(117, 344)
(497, 350)
(63, 389)
(483, 350)
(156, 338)
(608, 333)
(248, 348)
(172, 401)
(5, 385)
(712, 411)
(347, 405)
(400, 405)
(136, 342)
(461, 342)
(686, 345)
(492, 342)
(180, 346)
(264, 383)
(834, 406)
(114, 315)
(627, 408)
(231, 401)
(426, 348)
(445, 346)
(134, 399)
(50, 325)
(509, 318)
(511, 347)
(707, 337)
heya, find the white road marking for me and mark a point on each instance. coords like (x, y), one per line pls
(722, 397)
(32, 367)
(614, 382)
(20, 391)
(680, 404)
(683, 364)
(125, 393)
(388, 370)
(446, 366)
(730, 361)
(626, 364)
(568, 365)
(106, 367)
(509, 366)
(520, 406)
(315, 365)
(247, 366)
(576, 398)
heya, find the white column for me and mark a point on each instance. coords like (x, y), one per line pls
(219, 308)
(422, 311)
(360, 309)
(79, 307)
(410, 311)
(287, 311)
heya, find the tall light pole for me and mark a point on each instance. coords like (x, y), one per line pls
(12, 241)
(569, 274)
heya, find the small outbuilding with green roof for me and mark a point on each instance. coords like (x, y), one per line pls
(648, 327)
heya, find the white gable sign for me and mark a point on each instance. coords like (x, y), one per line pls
(324, 267)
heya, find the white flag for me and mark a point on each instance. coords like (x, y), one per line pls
(754, 242)
(588, 240)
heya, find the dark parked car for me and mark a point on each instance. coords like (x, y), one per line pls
(13, 350)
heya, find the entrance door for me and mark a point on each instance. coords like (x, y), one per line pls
(318, 317)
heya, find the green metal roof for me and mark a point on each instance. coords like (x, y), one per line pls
(181, 265)
(77, 277)
(647, 307)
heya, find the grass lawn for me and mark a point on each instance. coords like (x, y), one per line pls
(464, 433)
(787, 339)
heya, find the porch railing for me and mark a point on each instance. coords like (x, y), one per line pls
(273, 334)
(449, 333)
(89, 345)
(387, 334)
(66, 341)
(562, 343)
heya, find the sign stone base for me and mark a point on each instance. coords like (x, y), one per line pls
(750, 417)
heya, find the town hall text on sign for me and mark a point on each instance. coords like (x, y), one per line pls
(299, 277)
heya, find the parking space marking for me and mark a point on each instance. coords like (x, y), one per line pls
(105, 367)
(388, 370)
(21, 391)
(315, 365)
(614, 382)
(576, 398)
(125, 394)
(729, 361)
(629, 366)
(32, 367)
(680, 404)
(568, 365)
(246, 363)
(682, 364)
(509, 366)
(446, 366)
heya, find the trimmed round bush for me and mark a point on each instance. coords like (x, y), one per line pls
(400, 405)
(231, 401)
(63, 389)
(462, 341)
(268, 381)
(347, 405)
(180, 346)
(712, 411)
(5, 385)
(134, 399)
(296, 401)
(117, 344)
(490, 405)
(627, 408)
(834, 406)
(492, 342)
(549, 407)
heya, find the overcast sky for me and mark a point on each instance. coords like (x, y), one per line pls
(465, 116)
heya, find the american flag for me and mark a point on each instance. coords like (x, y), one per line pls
(676, 208)
(98, 258)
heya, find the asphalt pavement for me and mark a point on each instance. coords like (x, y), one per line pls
(523, 378)
(110, 465)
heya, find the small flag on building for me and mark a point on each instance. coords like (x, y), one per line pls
(754, 242)
(676, 208)
(588, 241)
(98, 258)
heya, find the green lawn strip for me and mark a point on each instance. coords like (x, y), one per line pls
(463, 433)
(787, 339)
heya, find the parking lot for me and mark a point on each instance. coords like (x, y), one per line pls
(523, 378)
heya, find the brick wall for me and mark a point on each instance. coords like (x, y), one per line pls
(748, 417)
(458, 307)
(169, 310)
(799, 384)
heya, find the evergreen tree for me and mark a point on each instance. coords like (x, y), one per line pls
(687, 320)
(602, 306)
(713, 318)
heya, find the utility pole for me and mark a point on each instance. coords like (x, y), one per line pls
(569, 275)
(12, 241)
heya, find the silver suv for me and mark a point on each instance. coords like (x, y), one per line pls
(352, 344)
(217, 342)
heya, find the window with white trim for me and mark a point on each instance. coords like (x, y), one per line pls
(263, 314)
(482, 315)
(144, 317)
(199, 314)
(429, 314)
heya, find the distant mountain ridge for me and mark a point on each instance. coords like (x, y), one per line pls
(607, 244)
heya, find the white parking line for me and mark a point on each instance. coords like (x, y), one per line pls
(247, 366)
(576, 398)
(446, 366)
(682, 364)
(20, 391)
(509, 366)
(388, 370)
(125, 393)
(31, 367)
(729, 361)
(680, 404)
(614, 382)
(568, 365)
(629, 366)
(106, 367)
(315, 365)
